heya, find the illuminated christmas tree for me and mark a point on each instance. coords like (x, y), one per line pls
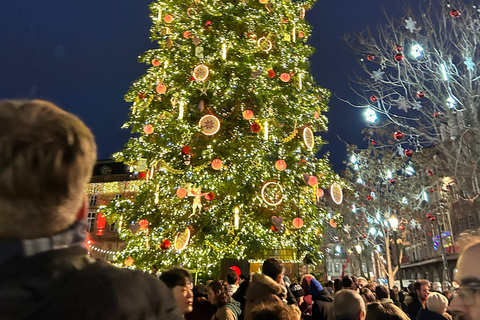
(222, 126)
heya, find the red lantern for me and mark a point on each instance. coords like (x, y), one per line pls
(370, 57)
(217, 164)
(271, 73)
(165, 244)
(399, 135)
(455, 13)
(420, 94)
(100, 224)
(280, 165)
(185, 150)
(398, 57)
(256, 127)
(155, 63)
(373, 98)
(143, 224)
(161, 88)
(408, 152)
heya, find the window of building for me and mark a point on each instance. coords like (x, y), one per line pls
(91, 221)
(113, 227)
(471, 222)
(93, 201)
(337, 268)
(118, 196)
(461, 227)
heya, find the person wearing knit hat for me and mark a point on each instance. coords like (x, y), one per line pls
(436, 308)
(322, 308)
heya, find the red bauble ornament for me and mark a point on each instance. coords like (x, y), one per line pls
(399, 135)
(373, 142)
(408, 152)
(392, 181)
(420, 95)
(402, 227)
(398, 57)
(161, 88)
(373, 98)
(142, 95)
(369, 198)
(436, 114)
(399, 48)
(370, 57)
(187, 34)
(181, 193)
(148, 129)
(364, 235)
(297, 223)
(142, 175)
(271, 73)
(210, 196)
(256, 127)
(143, 224)
(217, 164)
(165, 244)
(285, 77)
(185, 150)
(168, 18)
(432, 190)
(312, 181)
(280, 165)
(247, 114)
(155, 62)
(455, 13)
(430, 172)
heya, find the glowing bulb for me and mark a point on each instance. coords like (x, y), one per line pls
(224, 51)
(417, 51)
(370, 115)
(180, 111)
(444, 71)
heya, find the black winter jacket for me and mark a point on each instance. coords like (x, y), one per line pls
(322, 308)
(66, 284)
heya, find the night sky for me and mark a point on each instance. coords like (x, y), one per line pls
(82, 55)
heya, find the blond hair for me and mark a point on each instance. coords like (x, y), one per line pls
(437, 302)
(46, 158)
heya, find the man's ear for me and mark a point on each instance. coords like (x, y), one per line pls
(362, 315)
(82, 212)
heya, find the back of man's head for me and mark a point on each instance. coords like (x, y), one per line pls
(46, 158)
(272, 267)
(382, 292)
(231, 277)
(347, 304)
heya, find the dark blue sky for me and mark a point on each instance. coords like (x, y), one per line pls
(82, 55)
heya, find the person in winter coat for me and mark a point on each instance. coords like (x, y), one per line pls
(46, 158)
(275, 311)
(421, 289)
(179, 281)
(227, 308)
(267, 287)
(322, 308)
(385, 311)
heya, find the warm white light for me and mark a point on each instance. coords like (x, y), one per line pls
(373, 231)
(370, 115)
(353, 158)
(409, 170)
(265, 129)
(224, 51)
(393, 222)
(417, 51)
(358, 248)
(389, 174)
(180, 111)
(236, 218)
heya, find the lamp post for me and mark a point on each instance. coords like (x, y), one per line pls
(393, 221)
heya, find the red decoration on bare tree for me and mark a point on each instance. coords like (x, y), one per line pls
(370, 57)
(399, 135)
(455, 13)
(373, 98)
(398, 57)
(420, 95)
(408, 152)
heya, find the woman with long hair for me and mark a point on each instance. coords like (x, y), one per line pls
(227, 308)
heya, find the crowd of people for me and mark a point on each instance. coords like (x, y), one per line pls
(47, 156)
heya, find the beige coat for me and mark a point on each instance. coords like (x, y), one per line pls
(261, 289)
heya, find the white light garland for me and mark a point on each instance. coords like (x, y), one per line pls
(102, 250)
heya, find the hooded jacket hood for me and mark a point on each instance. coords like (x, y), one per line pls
(262, 286)
(315, 287)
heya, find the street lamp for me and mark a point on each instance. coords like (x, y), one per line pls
(394, 225)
